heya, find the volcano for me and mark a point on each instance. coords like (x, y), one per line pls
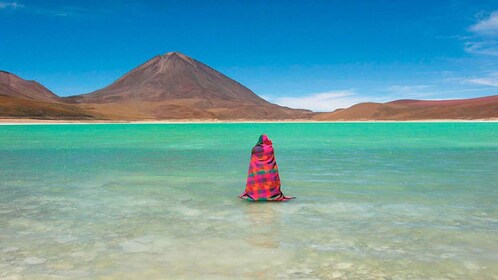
(175, 86)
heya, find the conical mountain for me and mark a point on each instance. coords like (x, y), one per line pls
(14, 86)
(176, 86)
(170, 76)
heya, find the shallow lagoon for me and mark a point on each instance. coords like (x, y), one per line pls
(159, 201)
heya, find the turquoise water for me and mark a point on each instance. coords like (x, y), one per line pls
(159, 201)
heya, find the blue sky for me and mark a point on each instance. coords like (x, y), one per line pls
(319, 55)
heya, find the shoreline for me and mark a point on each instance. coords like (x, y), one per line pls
(215, 121)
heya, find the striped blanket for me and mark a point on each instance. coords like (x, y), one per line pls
(263, 182)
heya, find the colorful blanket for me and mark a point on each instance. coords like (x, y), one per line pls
(263, 182)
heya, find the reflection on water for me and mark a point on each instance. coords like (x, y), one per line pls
(263, 222)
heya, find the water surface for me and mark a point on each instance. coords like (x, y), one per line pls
(159, 201)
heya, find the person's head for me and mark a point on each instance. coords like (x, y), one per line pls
(263, 139)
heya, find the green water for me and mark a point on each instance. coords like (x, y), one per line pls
(374, 201)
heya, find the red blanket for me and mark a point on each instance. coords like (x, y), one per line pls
(263, 182)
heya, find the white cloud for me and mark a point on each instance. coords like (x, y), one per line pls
(430, 92)
(13, 5)
(491, 80)
(332, 100)
(323, 101)
(405, 88)
(485, 39)
(489, 47)
(58, 11)
(409, 90)
(487, 26)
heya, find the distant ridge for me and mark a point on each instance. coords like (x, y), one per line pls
(175, 86)
(402, 110)
(20, 98)
(14, 86)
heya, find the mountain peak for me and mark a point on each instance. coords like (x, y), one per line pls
(177, 56)
(175, 53)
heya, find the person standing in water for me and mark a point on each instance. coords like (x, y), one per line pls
(263, 181)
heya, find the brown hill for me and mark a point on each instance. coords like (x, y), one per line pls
(175, 86)
(474, 108)
(20, 98)
(13, 107)
(14, 86)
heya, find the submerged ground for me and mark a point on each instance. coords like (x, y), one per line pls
(159, 201)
